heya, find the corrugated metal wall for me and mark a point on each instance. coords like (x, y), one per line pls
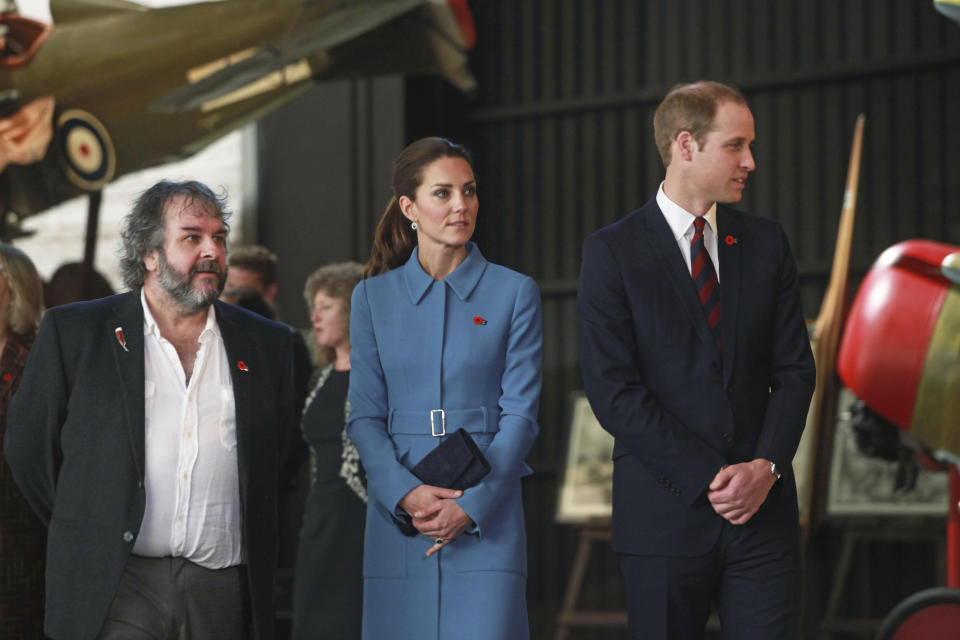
(561, 127)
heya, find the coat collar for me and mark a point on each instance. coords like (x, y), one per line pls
(463, 280)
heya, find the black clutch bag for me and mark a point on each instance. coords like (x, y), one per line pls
(457, 463)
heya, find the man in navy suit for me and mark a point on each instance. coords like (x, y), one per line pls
(146, 435)
(695, 357)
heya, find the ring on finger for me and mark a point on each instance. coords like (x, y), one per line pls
(438, 540)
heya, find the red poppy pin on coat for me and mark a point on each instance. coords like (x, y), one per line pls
(242, 366)
(477, 320)
(122, 340)
(730, 240)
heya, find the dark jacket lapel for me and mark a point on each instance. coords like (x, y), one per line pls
(242, 362)
(729, 238)
(660, 240)
(125, 328)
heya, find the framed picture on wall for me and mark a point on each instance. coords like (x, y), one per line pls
(586, 492)
(863, 486)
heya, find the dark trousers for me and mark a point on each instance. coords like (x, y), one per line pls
(751, 578)
(175, 599)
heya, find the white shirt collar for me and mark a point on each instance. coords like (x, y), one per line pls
(681, 220)
(150, 323)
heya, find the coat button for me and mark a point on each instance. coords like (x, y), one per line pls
(127, 536)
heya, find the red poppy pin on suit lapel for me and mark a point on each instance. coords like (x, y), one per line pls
(478, 320)
(120, 338)
(730, 240)
(242, 366)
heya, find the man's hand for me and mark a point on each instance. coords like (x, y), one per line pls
(737, 491)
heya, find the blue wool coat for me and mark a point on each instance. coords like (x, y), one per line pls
(470, 345)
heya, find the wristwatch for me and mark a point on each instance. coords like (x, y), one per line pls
(774, 472)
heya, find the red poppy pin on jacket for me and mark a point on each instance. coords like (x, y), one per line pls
(120, 338)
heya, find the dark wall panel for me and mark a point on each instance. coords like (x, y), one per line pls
(323, 174)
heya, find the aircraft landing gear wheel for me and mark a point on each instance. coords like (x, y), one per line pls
(85, 150)
(932, 614)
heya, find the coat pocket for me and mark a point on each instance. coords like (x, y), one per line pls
(502, 546)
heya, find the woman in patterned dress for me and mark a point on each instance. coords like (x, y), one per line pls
(327, 582)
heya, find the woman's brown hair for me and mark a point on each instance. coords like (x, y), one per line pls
(394, 240)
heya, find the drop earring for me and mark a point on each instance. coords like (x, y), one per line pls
(413, 225)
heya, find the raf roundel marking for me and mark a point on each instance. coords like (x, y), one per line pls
(85, 150)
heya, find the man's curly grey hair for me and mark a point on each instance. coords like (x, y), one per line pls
(142, 230)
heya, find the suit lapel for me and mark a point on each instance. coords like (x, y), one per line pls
(663, 244)
(125, 329)
(243, 373)
(729, 239)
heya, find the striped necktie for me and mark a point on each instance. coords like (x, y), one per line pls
(705, 281)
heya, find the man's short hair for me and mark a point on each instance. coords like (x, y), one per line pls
(142, 229)
(255, 258)
(690, 107)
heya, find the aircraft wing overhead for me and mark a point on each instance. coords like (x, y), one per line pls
(329, 31)
(65, 11)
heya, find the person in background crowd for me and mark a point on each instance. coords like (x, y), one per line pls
(23, 537)
(254, 267)
(69, 284)
(442, 340)
(146, 434)
(328, 580)
(251, 300)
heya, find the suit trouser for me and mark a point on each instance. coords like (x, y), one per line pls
(175, 599)
(751, 578)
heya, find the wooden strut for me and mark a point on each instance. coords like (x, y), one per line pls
(829, 329)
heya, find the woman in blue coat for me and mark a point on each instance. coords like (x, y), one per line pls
(442, 340)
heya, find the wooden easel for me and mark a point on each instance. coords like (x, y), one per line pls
(592, 532)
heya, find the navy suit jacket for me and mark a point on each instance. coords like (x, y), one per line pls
(678, 410)
(75, 444)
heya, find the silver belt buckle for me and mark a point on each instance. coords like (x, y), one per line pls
(443, 423)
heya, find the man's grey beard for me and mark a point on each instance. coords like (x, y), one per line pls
(180, 287)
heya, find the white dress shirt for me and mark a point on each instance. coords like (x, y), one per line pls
(193, 493)
(681, 223)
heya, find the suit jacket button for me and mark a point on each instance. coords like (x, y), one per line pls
(127, 536)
